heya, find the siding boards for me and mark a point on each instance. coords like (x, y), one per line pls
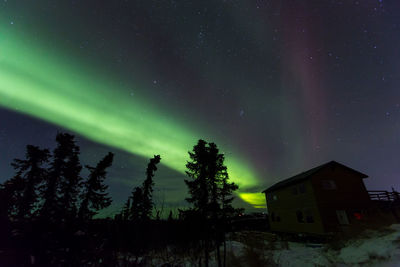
(286, 206)
(332, 190)
(350, 195)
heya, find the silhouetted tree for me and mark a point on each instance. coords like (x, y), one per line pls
(136, 208)
(139, 205)
(71, 180)
(209, 190)
(32, 171)
(197, 170)
(125, 213)
(5, 203)
(94, 197)
(22, 188)
(147, 205)
(61, 188)
(11, 193)
(170, 216)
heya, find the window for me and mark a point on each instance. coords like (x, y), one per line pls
(302, 188)
(309, 216)
(294, 190)
(342, 217)
(278, 218)
(328, 184)
(300, 217)
(298, 189)
(304, 216)
(272, 197)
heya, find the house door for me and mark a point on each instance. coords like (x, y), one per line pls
(342, 217)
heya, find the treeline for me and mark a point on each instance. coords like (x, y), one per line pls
(49, 187)
(47, 210)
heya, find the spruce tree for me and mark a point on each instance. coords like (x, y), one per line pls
(70, 180)
(61, 187)
(196, 170)
(170, 216)
(209, 190)
(30, 172)
(147, 204)
(139, 206)
(11, 193)
(136, 208)
(125, 214)
(95, 197)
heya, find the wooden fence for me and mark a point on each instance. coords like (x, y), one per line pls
(384, 195)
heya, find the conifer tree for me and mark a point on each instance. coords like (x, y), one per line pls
(29, 174)
(170, 216)
(126, 210)
(94, 197)
(209, 189)
(11, 193)
(139, 205)
(226, 198)
(70, 180)
(7, 190)
(147, 204)
(196, 169)
(60, 189)
(136, 208)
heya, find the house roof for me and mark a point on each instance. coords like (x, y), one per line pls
(307, 174)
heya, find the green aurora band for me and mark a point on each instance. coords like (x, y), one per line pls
(53, 88)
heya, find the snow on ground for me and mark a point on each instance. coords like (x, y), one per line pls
(373, 248)
(376, 247)
(300, 255)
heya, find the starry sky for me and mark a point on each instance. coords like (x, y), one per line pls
(279, 86)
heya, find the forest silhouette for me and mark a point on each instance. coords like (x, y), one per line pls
(48, 212)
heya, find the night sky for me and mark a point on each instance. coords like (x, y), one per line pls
(279, 86)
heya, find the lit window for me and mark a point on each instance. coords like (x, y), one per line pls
(358, 215)
(274, 197)
(328, 184)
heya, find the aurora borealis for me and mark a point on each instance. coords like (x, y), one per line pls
(279, 86)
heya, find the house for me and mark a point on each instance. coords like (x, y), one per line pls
(325, 199)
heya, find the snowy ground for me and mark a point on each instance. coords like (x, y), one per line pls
(371, 248)
(374, 248)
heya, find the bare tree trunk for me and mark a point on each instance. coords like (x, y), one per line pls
(206, 255)
(224, 264)
(218, 255)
